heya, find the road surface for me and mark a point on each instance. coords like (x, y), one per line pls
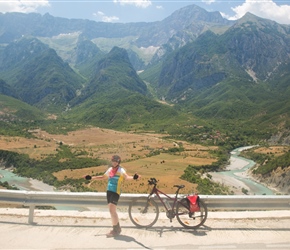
(63, 230)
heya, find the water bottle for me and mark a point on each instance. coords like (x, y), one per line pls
(167, 205)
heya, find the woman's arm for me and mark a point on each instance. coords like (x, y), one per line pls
(95, 177)
(132, 177)
(99, 177)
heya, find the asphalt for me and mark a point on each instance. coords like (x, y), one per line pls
(56, 229)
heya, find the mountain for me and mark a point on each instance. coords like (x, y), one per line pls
(233, 75)
(117, 97)
(186, 24)
(113, 73)
(253, 49)
(143, 38)
(239, 74)
(87, 55)
(38, 74)
(259, 45)
(177, 33)
(15, 25)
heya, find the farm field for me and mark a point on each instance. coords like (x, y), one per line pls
(133, 148)
(274, 150)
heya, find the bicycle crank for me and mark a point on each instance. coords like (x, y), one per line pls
(170, 214)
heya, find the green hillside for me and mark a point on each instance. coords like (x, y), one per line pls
(38, 75)
(16, 117)
(125, 110)
(117, 98)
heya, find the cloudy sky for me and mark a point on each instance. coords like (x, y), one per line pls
(125, 11)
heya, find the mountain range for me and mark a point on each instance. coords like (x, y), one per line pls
(193, 67)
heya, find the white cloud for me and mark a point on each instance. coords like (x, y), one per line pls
(263, 8)
(104, 18)
(208, 1)
(22, 6)
(224, 15)
(137, 3)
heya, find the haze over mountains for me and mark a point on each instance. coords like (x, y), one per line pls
(204, 67)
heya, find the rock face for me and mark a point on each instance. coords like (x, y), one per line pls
(279, 179)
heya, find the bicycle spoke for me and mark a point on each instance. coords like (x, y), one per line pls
(143, 212)
(188, 219)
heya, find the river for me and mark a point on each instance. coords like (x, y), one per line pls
(23, 183)
(236, 175)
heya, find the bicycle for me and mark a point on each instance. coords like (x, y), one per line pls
(144, 211)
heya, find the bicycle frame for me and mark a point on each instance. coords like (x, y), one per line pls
(157, 192)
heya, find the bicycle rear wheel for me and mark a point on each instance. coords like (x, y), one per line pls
(188, 219)
(143, 212)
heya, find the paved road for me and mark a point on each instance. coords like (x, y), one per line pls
(86, 230)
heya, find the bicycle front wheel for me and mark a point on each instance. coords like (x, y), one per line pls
(143, 212)
(188, 219)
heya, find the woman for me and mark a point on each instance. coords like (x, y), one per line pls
(115, 175)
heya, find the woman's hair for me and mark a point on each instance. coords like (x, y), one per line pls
(116, 158)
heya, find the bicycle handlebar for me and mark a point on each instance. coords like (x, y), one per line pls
(152, 181)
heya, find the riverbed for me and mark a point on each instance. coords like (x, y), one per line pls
(23, 183)
(237, 177)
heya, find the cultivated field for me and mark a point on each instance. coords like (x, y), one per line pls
(133, 149)
(274, 150)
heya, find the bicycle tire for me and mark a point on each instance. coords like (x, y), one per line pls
(143, 212)
(188, 219)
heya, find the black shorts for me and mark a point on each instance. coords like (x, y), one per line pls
(112, 197)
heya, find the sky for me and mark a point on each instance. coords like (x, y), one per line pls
(128, 11)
